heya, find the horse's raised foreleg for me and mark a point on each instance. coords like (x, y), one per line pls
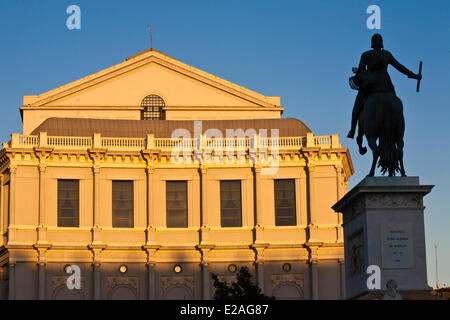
(373, 146)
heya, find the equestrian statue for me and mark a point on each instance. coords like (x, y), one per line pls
(377, 110)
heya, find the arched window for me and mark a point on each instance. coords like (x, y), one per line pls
(153, 108)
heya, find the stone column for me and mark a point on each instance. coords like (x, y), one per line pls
(150, 204)
(206, 281)
(96, 229)
(314, 279)
(151, 237)
(96, 171)
(259, 229)
(312, 197)
(151, 265)
(12, 281)
(41, 281)
(151, 281)
(42, 168)
(42, 228)
(11, 226)
(12, 195)
(97, 245)
(339, 192)
(342, 277)
(148, 157)
(259, 263)
(257, 170)
(42, 153)
(204, 215)
(205, 250)
(259, 244)
(260, 272)
(151, 246)
(312, 225)
(97, 282)
(42, 266)
(2, 230)
(97, 154)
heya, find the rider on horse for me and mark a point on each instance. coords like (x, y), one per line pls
(373, 71)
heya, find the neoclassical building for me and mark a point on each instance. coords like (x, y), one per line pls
(151, 175)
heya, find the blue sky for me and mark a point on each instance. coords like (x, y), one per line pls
(302, 51)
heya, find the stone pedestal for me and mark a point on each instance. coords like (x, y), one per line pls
(384, 227)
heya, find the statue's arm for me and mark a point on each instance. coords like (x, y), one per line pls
(397, 65)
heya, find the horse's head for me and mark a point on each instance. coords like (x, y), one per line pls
(360, 80)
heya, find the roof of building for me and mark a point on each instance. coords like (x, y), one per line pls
(288, 127)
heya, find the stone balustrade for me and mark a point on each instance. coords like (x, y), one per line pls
(169, 144)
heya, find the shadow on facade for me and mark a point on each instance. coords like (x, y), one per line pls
(286, 280)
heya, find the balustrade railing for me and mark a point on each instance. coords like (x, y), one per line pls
(123, 143)
(170, 144)
(69, 142)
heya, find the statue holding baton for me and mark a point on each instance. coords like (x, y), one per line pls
(377, 109)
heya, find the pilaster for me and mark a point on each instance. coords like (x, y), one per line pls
(204, 229)
(97, 154)
(313, 262)
(42, 153)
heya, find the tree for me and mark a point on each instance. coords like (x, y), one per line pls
(242, 289)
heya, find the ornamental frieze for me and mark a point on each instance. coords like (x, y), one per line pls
(59, 282)
(169, 281)
(120, 281)
(393, 200)
(295, 278)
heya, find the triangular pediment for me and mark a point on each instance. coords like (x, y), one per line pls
(151, 72)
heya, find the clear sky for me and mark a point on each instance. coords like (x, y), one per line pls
(302, 51)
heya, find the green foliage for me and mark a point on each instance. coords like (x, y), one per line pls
(242, 289)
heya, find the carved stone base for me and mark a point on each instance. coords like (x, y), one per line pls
(384, 227)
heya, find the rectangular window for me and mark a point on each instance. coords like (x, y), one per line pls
(122, 204)
(176, 204)
(285, 213)
(68, 203)
(230, 203)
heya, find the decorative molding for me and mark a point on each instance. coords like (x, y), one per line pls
(293, 278)
(355, 251)
(227, 279)
(114, 282)
(170, 281)
(394, 200)
(59, 282)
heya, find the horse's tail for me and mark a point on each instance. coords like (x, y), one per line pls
(387, 148)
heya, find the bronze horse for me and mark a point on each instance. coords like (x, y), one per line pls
(381, 120)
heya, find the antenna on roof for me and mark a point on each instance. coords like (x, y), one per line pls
(151, 38)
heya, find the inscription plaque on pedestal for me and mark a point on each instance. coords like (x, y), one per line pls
(397, 246)
(383, 227)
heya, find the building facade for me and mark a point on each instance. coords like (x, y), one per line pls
(150, 175)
